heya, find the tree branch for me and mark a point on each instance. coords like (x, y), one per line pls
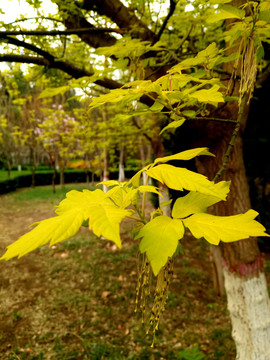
(170, 13)
(68, 68)
(25, 45)
(122, 16)
(76, 20)
(62, 32)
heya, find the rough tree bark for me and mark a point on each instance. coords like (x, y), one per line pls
(245, 284)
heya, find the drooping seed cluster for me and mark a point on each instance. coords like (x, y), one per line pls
(151, 319)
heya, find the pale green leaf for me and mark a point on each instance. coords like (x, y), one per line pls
(160, 239)
(205, 56)
(122, 196)
(149, 188)
(184, 155)
(165, 203)
(51, 230)
(195, 202)
(156, 107)
(135, 180)
(50, 92)
(173, 125)
(265, 16)
(189, 113)
(210, 96)
(260, 53)
(109, 183)
(180, 178)
(224, 228)
(226, 12)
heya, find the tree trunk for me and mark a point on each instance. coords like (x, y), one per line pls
(248, 300)
(249, 308)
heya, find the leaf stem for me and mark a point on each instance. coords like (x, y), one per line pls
(144, 197)
(135, 218)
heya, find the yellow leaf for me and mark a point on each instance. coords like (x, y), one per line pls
(211, 96)
(184, 155)
(195, 202)
(51, 230)
(104, 216)
(160, 240)
(180, 178)
(224, 228)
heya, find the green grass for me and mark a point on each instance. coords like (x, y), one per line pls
(45, 193)
(13, 174)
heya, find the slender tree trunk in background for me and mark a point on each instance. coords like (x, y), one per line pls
(8, 168)
(106, 168)
(121, 176)
(92, 177)
(142, 156)
(34, 166)
(87, 178)
(62, 176)
(86, 170)
(33, 172)
(52, 160)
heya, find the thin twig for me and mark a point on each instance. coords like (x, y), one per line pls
(212, 119)
(233, 138)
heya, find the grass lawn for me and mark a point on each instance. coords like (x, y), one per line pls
(13, 174)
(76, 300)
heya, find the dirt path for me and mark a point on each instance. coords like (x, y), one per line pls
(15, 218)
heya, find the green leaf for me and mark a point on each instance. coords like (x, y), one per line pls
(180, 178)
(160, 239)
(195, 202)
(224, 228)
(51, 230)
(184, 155)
